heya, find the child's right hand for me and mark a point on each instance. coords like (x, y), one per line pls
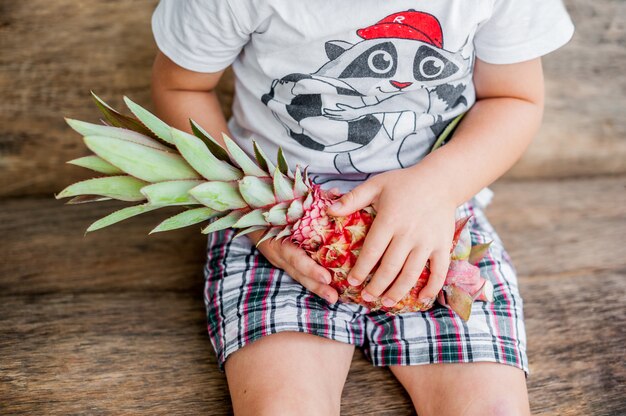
(294, 260)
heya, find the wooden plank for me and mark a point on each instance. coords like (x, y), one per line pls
(552, 227)
(44, 240)
(112, 353)
(108, 354)
(53, 53)
(584, 122)
(576, 342)
(555, 227)
(131, 352)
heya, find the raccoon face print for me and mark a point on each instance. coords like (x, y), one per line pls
(388, 66)
(383, 95)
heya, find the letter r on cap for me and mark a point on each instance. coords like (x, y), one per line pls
(398, 19)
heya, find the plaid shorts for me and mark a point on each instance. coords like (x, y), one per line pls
(247, 298)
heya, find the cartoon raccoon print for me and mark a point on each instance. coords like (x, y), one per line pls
(383, 91)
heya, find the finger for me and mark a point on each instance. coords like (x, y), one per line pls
(356, 199)
(407, 279)
(439, 263)
(389, 268)
(320, 289)
(308, 273)
(306, 266)
(286, 255)
(375, 244)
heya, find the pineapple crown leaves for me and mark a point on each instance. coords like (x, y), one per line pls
(145, 160)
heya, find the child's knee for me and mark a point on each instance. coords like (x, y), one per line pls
(498, 406)
(286, 402)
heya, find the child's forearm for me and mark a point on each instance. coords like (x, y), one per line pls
(177, 107)
(492, 136)
(179, 95)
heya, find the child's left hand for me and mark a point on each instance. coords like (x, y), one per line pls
(414, 223)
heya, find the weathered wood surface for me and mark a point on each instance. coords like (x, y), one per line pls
(113, 323)
(53, 53)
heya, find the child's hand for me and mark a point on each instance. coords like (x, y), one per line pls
(296, 262)
(414, 223)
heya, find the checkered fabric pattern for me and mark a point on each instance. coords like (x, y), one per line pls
(247, 298)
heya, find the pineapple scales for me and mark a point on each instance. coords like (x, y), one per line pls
(143, 160)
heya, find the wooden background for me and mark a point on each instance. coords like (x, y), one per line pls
(113, 323)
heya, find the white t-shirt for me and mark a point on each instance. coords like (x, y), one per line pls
(353, 88)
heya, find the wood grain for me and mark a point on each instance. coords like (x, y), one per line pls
(113, 323)
(53, 53)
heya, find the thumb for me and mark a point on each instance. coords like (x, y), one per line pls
(358, 198)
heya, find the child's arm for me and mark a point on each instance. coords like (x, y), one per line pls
(416, 206)
(180, 94)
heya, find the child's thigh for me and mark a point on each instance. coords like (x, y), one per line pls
(465, 389)
(288, 372)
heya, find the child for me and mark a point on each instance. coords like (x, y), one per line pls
(359, 91)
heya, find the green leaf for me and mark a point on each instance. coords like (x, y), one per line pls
(306, 175)
(295, 211)
(283, 187)
(89, 129)
(300, 188)
(459, 301)
(120, 215)
(117, 119)
(478, 252)
(97, 164)
(201, 159)
(282, 164)
(446, 132)
(141, 161)
(249, 230)
(171, 192)
(216, 149)
(264, 162)
(271, 233)
(277, 215)
(124, 188)
(223, 223)
(221, 196)
(256, 192)
(152, 122)
(185, 219)
(82, 199)
(242, 159)
(252, 218)
(286, 232)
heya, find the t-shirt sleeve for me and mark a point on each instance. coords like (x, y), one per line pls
(199, 35)
(520, 30)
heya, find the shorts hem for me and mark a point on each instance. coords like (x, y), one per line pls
(223, 353)
(422, 355)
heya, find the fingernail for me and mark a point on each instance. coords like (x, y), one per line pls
(324, 278)
(353, 281)
(337, 205)
(427, 302)
(367, 297)
(329, 299)
(388, 302)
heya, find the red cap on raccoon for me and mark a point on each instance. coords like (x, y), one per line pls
(406, 25)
